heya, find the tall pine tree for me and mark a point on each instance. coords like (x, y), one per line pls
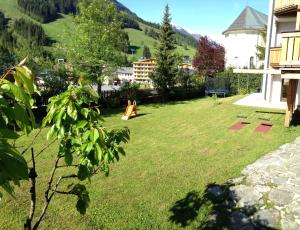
(147, 52)
(165, 74)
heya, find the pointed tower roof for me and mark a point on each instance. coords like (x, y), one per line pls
(249, 19)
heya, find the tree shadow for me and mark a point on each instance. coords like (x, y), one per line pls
(223, 212)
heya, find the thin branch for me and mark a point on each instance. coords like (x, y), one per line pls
(40, 152)
(47, 197)
(32, 176)
(32, 142)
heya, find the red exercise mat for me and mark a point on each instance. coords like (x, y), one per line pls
(239, 125)
(263, 128)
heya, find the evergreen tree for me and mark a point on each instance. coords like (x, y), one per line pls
(147, 52)
(166, 71)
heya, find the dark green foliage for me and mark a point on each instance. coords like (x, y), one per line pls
(129, 22)
(239, 83)
(166, 71)
(47, 10)
(15, 111)
(129, 91)
(32, 32)
(56, 81)
(146, 52)
(6, 44)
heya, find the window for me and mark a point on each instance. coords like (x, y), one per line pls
(284, 86)
(251, 65)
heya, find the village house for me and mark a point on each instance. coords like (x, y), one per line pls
(242, 38)
(280, 87)
(125, 74)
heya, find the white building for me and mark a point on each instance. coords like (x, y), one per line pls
(125, 74)
(281, 85)
(242, 38)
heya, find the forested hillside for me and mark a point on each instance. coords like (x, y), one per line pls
(57, 25)
(47, 10)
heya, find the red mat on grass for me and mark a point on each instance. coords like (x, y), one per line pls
(263, 128)
(239, 125)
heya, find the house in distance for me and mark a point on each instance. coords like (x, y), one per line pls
(242, 38)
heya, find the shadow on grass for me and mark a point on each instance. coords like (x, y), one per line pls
(222, 213)
(296, 118)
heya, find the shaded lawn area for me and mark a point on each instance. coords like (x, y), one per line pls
(175, 150)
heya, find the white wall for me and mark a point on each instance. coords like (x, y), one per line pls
(282, 27)
(276, 89)
(240, 47)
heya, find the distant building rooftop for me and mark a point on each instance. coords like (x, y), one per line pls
(125, 70)
(250, 19)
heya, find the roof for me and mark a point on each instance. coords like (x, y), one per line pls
(249, 19)
(125, 70)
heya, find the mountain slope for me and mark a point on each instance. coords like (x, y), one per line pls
(58, 29)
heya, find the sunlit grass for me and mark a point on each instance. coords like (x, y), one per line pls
(174, 149)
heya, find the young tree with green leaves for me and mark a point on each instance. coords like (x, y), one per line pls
(261, 49)
(86, 147)
(165, 74)
(98, 41)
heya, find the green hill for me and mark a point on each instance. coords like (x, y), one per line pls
(57, 30)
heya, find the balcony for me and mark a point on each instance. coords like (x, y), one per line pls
(285, 6)
(289, 54)
(275, 56)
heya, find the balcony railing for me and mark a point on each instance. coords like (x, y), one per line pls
(289, 54)
(275, 56)
(285, 4)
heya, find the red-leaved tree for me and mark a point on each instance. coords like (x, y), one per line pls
(210, 57)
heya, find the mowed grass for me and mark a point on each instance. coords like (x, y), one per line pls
(175, 149)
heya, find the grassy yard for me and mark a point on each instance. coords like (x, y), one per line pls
(174, 149)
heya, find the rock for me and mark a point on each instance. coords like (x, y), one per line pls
(280, 197)
(245, 196)
(294, 209)
(279, 180)
(288, 224)
(237, 180)
(267, 218)
(295, 169)
(262, 189)
(259, 177)
(239, 221)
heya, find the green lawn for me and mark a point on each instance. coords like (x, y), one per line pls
(174, 149)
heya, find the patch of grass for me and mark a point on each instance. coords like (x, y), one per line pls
(175, 149)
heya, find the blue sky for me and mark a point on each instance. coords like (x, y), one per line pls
(207, 17)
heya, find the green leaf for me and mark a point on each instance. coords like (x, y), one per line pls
(68, 158)
(94, 135)
(72, 112)
(83, 172)
(8, 134)
(83, 198)
(26, 78)
(13, 166)
(82, 124)
(51, 132)
(99, 152)
(85, 112)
